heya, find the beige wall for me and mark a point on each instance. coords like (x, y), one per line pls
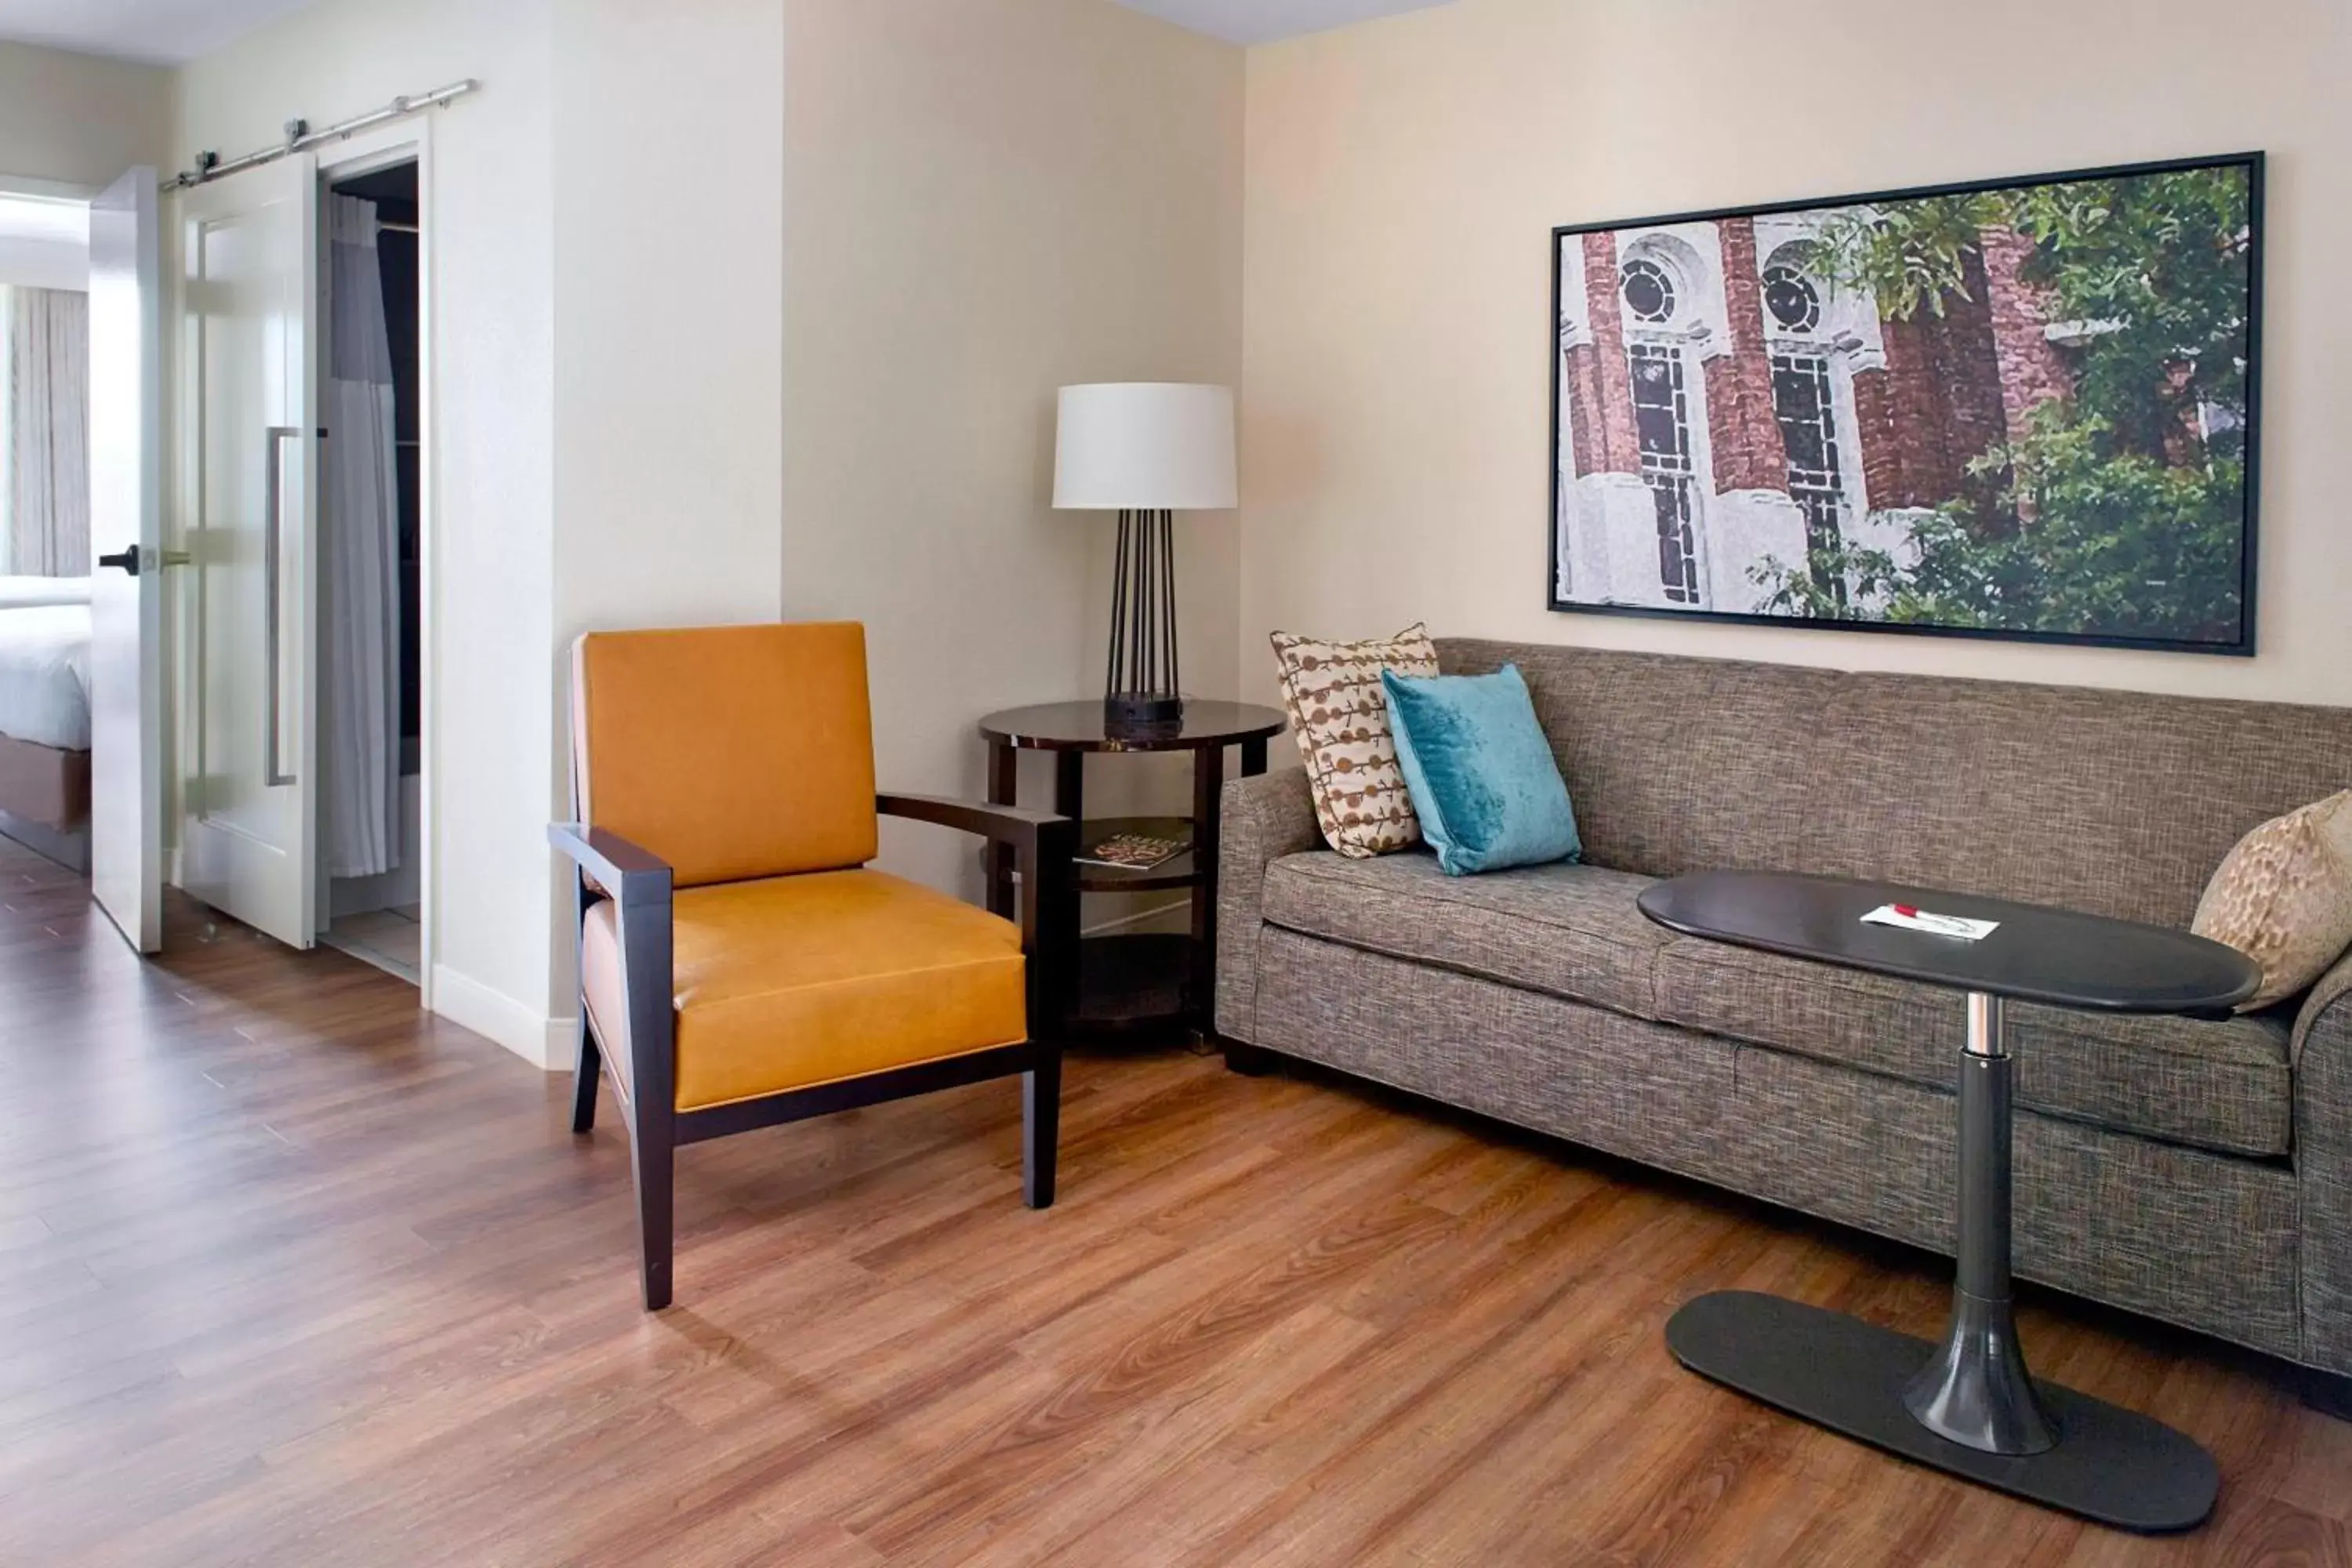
(668, 296)
(669, 201)
(79, 121)
(1404, 177)
(986, 199)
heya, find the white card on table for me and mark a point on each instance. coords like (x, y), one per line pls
(1906, 918)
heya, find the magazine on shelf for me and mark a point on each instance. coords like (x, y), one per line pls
(1132, 851)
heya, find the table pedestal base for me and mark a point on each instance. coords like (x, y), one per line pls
(2109, 1464)
(1968, 1406)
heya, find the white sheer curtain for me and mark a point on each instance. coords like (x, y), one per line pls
(358, 627)
(45, 433)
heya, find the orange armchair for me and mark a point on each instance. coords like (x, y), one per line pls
(740, 966)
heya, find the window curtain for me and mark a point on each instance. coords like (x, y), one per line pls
(358, 630)
(45, 433)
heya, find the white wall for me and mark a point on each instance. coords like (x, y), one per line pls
(43, 242)
(490, 226)
(987, 199)
(1404, 177)
(77, 120)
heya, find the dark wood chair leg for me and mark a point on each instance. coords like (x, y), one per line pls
(583, 1080)
(656, 1161)
(1250, 1061)
(1041, 1124)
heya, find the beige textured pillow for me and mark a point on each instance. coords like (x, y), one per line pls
(1341, 715)
(2283, 897)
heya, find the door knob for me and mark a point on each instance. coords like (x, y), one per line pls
(137, 556)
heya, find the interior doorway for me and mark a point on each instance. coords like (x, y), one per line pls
(44, 523)
(371, 519)
(301, 315)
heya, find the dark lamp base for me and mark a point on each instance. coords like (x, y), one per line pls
(1129, 713)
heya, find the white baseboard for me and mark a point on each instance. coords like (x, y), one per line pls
(546, 1043)
(70, 850)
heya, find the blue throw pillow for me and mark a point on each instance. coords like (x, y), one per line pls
(1479, 771)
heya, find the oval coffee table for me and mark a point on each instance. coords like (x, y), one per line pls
(1969, 1407)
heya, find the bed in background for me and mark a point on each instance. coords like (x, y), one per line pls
(40, 593)
(45, 716)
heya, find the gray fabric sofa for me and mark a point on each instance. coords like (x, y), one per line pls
(2197, 1171)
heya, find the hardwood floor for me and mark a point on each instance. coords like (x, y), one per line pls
(291, 1274)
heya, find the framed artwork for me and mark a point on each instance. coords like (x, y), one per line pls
(2020, 408)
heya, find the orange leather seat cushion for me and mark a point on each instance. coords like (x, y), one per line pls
(792, 982)
(729, 751)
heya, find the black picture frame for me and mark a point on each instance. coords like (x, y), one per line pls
(1556, 458)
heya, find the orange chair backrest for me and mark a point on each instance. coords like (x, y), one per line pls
(730, 751)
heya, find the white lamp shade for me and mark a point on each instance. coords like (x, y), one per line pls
(1144, 445)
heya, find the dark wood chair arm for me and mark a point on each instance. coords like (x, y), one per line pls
(1013, 825)
(639, 883)
(1043, 846)
(631, 874)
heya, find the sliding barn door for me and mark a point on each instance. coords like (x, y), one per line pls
(248, 323)
(126, 536)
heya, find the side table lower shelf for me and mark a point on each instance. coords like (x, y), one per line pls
(1133, 982)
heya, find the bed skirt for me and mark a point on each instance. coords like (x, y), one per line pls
(44, 785)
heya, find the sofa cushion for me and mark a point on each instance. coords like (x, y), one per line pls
(2225, 1086)
(1568, 929)
(1573, 930)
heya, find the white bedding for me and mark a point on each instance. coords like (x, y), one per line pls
(44, 676)
(31, 593)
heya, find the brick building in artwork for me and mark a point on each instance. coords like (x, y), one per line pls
(1723, 406)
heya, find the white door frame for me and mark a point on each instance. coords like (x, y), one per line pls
(405, 141)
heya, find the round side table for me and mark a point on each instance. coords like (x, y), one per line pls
(1134, 981)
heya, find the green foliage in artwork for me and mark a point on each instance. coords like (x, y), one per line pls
(2127, 499)
(2120, 544)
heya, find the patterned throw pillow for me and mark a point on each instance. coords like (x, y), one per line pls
(1341, 715)
(2283, 898)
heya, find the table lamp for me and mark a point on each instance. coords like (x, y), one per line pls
(1146, 450)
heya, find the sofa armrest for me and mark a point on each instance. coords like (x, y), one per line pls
(2323, 1166)
(1262, 819)
(2329, 1005)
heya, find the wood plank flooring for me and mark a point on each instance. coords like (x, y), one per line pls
(291, 1274)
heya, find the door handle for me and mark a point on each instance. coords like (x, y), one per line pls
(272, 552)
(129, 560)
